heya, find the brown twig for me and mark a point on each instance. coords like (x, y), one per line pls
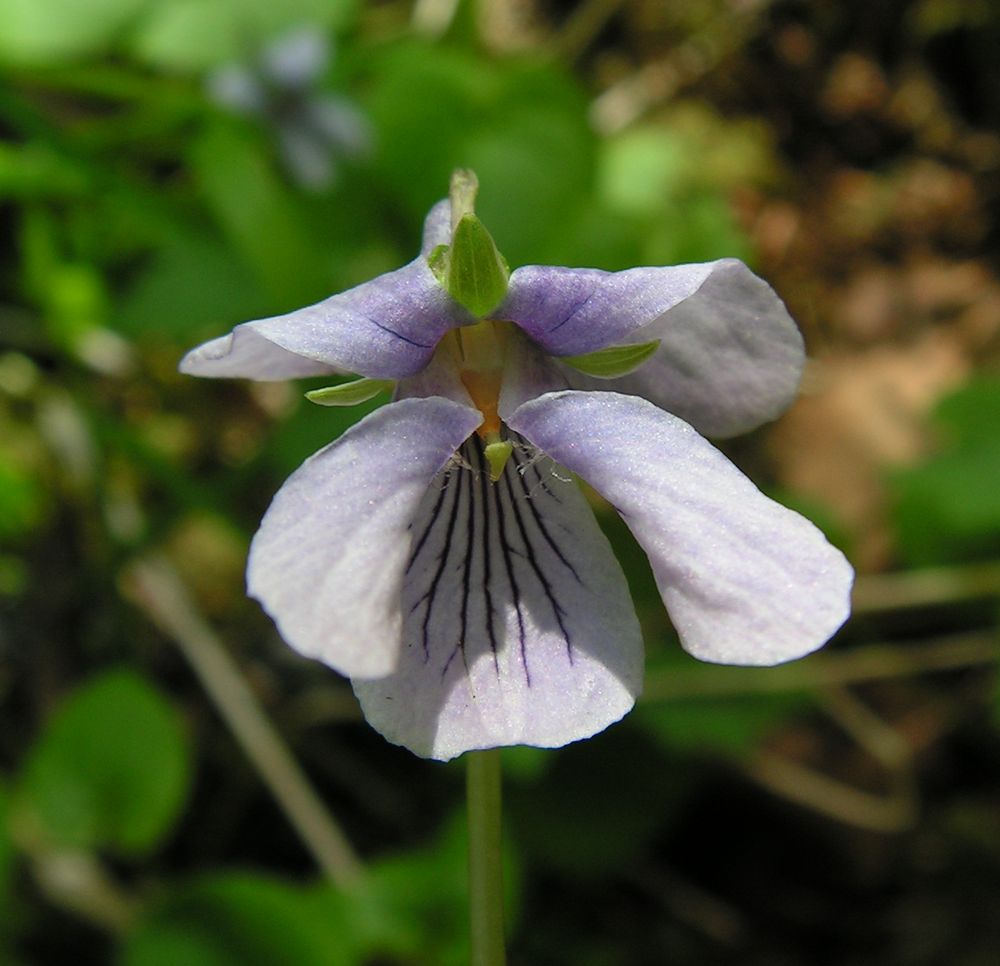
(156, 587)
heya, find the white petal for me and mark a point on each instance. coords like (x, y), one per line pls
(730, 356)
(746, 581)
(519, 628)
(327, 562)
(386, 328)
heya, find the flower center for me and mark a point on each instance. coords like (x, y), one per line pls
(479, 352)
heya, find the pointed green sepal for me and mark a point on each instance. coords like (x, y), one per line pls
(349, 393)
(437, 261)
(497, 455)
(615, 361)
(476, 274)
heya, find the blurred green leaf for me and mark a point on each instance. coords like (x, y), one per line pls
(37, 170)
(6, 847)
(239, 919)
(520, 126)
(576, 826)
(22, 498)
(192, 35)
(731, 726)
(310, 428)
(192, 284)
(259, 214)
(970, 417)
(675, 177)
(37, 32)
(415, 905)
(111, 769)
(947, 509)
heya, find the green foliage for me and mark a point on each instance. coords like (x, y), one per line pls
(238, 919)
(6, 850)
(580, 828)
(520, 126)
(110, 770)
(411, 906)
(671, 179)
(188, 35)
(52, 31)
(415, 905)
(22, 500)
(730, 726)
(259, 215)
(947, 509)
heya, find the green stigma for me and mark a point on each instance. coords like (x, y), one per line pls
(497, 453)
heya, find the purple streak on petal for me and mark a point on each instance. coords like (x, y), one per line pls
(730, 356)
(746, 581)
(551, 650)
(570, 311)
(386, 329)
(328, 560)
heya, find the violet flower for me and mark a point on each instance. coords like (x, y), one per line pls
(281, 89)
(439, 553)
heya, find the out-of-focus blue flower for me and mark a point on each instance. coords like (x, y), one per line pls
(439, 553)
(313, 128)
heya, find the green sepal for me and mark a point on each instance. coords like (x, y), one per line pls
(349, 393)
(437, 261)
(615, 361)
(476, 274)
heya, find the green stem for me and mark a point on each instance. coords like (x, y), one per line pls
(485, 865)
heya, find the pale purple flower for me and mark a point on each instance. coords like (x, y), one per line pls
(470, 613)
(313, 128)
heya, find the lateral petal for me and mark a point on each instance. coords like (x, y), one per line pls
(571, 311)
(745, 580)
(518, 625)
(327, 562)
(385, 329)
(730, 356)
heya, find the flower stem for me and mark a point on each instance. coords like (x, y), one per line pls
(485, 864)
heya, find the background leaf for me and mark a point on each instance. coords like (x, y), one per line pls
(110, 770)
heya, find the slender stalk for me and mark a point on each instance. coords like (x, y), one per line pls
(485, 864)
(158, 589)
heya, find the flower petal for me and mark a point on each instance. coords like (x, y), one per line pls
(386, 329)
(519, 628)
(437, 227)
(327, 562)
(730, 356)
(527, 373)
(570, 311)
(746, 581)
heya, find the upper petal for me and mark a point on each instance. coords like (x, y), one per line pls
(386, 329)
(437, 227)
(746, 581)
(730, 356)
(518, 624)
(570, 311)
(327, 562)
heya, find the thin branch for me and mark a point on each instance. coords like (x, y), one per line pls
(156, 587)
(871, 663)
(828, 796)
(931, 586)
(80, 884)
